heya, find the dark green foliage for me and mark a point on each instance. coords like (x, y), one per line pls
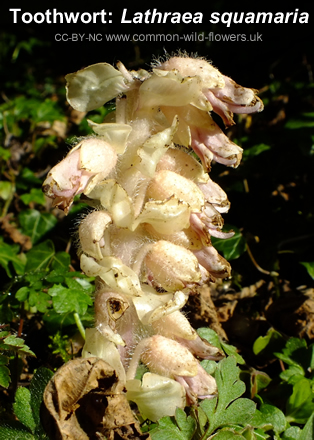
(26, 408)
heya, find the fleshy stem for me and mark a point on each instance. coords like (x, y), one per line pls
(79, 324)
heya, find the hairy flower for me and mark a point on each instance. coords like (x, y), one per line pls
(148, 241)
(171, 267)
(89, 162)
(224, 95)
(200, 386)
(169, 358)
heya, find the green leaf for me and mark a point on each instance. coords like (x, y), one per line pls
(40, 256)
(186, 424)
(254, 151)
(233, 247)
(66, 300)
(62, 261)
(22, 408)
(228, 435)
(13, 342)
(297, 354)
(5, 189)
(27, 179)
(180, 427)
(293, 433)
(34, 196)
(54, 321)
(47, 110)
(212, 337)
(8, 254)
(308, 430)
(230, 350)
(36, 224)
(14, 431)
(40, 300)
(36, 388)
(306, 122)
(228, 408)
(292, 374)
(259, 381)
(309, 267)
(269, 415)
(5, 154)
(300, 404)
(266, 345)
(4, 360)
(22, 294)
(4, 376)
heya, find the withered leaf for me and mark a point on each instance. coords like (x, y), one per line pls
(85, 400)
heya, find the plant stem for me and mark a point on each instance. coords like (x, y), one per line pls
(79, 324)
(258, 267)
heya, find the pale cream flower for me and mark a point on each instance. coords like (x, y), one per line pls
(156, 396)
(169, 358)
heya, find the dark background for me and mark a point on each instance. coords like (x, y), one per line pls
(283, 47)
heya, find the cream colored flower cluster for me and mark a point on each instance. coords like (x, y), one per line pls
(148, 240)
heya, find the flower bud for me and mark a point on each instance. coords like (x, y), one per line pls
(210, 76)
(166, 183)
(168, 358)
(171, 267)
(175, 325)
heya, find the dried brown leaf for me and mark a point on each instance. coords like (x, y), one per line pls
(85, 400)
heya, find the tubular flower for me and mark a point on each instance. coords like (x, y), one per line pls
(87, 164)
(171, 267)
(154, 208)
(169, 358)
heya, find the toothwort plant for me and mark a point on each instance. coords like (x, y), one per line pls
(148, 239)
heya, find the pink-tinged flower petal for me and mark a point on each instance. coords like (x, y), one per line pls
(215, 196)
(238, 96)
(208, 223)
(216, 265)
(220, 107)
(201, 348)
(201, 386)
(212, 144)
(233, 98)
(198, 130)
(86, 164)
(171, 359)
